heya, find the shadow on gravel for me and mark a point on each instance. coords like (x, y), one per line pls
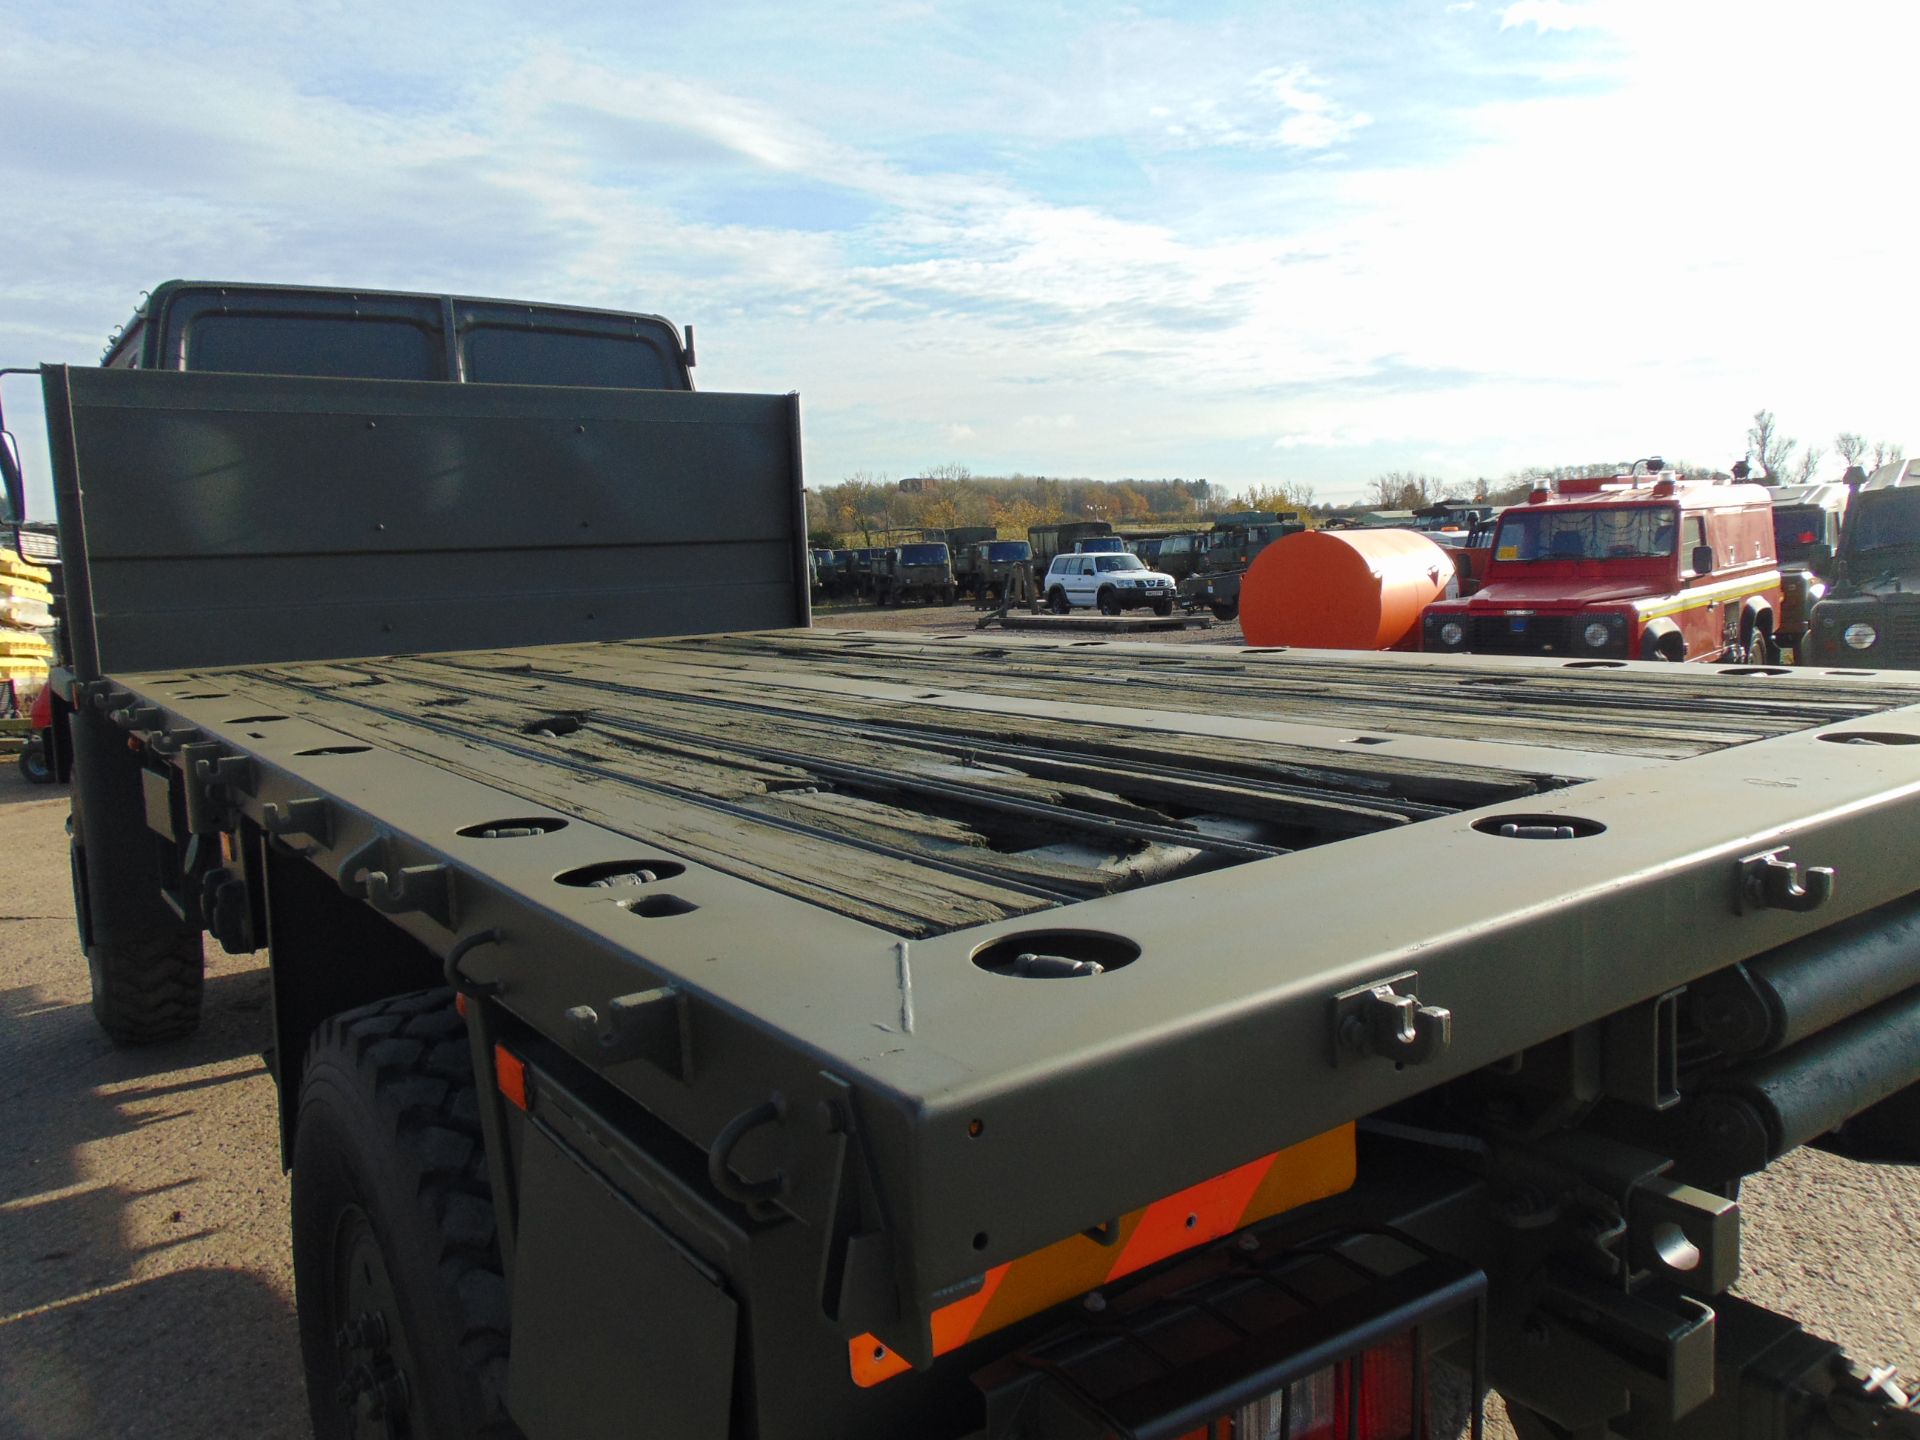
(93, 1341)
(137, 1361)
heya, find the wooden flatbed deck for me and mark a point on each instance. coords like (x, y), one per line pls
(926, 785)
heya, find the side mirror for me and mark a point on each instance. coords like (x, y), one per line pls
(1703, 559)
(15, 486)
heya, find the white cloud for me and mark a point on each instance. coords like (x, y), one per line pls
(1546, 15)
(1631, 263)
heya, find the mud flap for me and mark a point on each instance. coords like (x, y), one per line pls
(618, 1330)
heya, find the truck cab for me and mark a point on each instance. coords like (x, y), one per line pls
(1806, 537)
(385, 335)
(985, 566)
(1871, 615)
(914, 572)
(1643, 566)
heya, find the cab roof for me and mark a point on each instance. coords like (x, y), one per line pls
(1900, 475)
(1649, 490)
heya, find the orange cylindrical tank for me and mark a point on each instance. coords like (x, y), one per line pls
(1343, 589)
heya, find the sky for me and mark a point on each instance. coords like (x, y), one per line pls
(1294, 240)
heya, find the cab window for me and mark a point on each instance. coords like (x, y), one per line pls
(1693, 532)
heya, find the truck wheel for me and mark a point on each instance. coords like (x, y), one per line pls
(1761, 649)
(1163, 607)
(950, 596)
(147, 990)
(1225, 610)
(1057, 601)
(403, 1313)
(34, 765)
(1108, 601)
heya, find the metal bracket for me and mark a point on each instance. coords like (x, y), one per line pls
(1770, 881)
(1386, 1020)
(309, 816)
(424, 889)
(648, 1025)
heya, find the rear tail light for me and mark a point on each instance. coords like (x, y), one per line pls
(1377, 1395)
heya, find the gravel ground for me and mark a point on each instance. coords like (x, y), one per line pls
(955, 619)
(145, 1284)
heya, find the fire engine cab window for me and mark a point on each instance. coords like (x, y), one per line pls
(1696, 535)
(1616, 533)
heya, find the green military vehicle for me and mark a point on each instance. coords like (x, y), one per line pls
(1213, 582)
(988, 564)
(914, 572)
(1870, 615)
(691, 1024)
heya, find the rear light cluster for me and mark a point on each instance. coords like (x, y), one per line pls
(1377, 1395)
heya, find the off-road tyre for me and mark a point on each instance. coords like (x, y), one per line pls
(1761, 646)
(1225, 610)
(35, 765)
(147, 991)
(1057, 601)
(393, 1216)
(950, 596)
(1163, 608)
(1108, 602)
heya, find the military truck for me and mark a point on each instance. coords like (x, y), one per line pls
(983, 567)
(914, 572)
(691, 1023)
(1214, 580)
(1807, 521)
(1051, 540)
(1871, 614)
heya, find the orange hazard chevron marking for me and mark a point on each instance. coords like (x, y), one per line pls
(1258, 1190)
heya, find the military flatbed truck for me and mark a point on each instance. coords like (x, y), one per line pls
(693, 1024)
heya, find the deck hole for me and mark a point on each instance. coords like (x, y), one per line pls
(1192, 1220)
(1538, 827)
(1055, 954)
(1367, 740)
(553, 726)
(1870, 737)
(659, 907)
(976, 1128)
(335, 750)
(1266, 650)
(1595, 665)
(609, 874)
(1852, 674)
(524, 828)
(208, 695)
(1757, 670)
(254, 719)
(980, 1241)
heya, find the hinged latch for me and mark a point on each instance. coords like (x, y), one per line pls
(1386, 1020)
(1770, 881)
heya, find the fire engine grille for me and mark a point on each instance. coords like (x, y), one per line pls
(1522, 635)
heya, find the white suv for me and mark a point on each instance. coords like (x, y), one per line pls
(1111, 582)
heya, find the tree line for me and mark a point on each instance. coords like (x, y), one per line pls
(868, 508)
